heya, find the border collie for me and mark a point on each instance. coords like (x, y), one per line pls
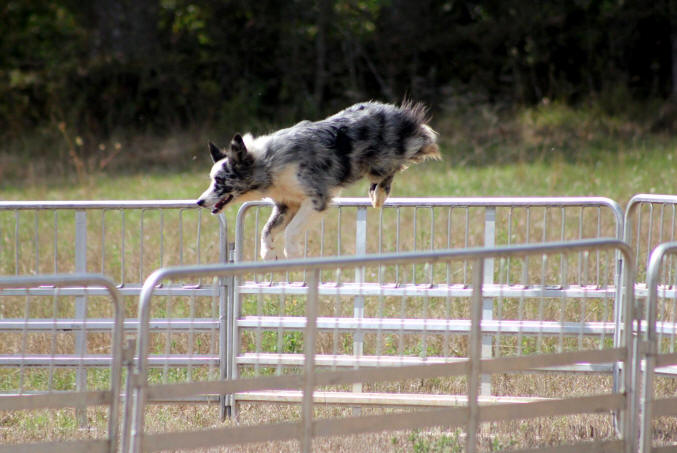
(302, 167)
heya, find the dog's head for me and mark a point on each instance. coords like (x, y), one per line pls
(231, 175)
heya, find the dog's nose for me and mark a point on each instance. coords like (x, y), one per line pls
(200, 202)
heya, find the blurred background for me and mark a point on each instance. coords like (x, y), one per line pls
(128, 85)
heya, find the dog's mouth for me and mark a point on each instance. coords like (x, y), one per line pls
(222, 202)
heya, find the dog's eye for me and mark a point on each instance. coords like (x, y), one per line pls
(219, 180)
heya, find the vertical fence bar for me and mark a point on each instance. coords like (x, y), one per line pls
(141, 234)
(224, 318)
(309, 362)
(358, 304)
(16, 243)
(488, 302)
(56, 242)
(475, 347)
(122, 247)
(36, 239)
(81, 309)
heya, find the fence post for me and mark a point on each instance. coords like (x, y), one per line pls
(488, 302)
(358, 304)
(309, 362)
(475, 346)
(223, 285)
(81, 310)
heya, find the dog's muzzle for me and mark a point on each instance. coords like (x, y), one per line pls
(221, 204)
(218, 206)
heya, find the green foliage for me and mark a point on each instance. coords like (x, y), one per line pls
(157, 64)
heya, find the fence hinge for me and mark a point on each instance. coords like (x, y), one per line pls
(128, 351)
(231, 252)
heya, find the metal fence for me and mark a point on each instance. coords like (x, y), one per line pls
(413, 362)
(44, 354)
(418, 224)
(124, 240)
(426, 224)
(650, 220)
(659, 330)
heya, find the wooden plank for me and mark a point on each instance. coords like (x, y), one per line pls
(665, 449)
(666, 359)
(76, 446)
(566, 406)
(222, 437)
(54, 400)
(503, 364)
(664, 406)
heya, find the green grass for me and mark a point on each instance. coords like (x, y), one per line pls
(616, 174)
(549, 149)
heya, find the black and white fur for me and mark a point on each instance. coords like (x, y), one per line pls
(302, 167)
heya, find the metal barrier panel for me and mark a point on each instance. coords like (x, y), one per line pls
(659, 358)
(125, 240)
(427, 224)
(420, 350)
(41, 360)
(650, 220)
(352, 227)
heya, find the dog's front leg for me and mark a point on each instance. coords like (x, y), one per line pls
(307, 215)
(379, 192)
(277, 221)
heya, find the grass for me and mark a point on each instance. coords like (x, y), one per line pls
(546, 150)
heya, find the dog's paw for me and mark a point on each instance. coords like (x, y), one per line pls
(377, 195)
(372, 194)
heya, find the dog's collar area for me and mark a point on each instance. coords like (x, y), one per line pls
(222, 202)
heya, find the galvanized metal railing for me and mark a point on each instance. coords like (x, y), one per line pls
(417, 224)
(650, 220)
(620, 399)
(658, 358)
(431, 223)
(125, 240)
(27, 398)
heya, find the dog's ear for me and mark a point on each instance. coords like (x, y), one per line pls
(216, 153)
(238, 151)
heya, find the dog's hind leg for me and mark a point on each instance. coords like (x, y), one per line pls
(307, 215)
(278, 220)
(379, 192)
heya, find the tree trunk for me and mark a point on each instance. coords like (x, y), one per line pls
(324, 10)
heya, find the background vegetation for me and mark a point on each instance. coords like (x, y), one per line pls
(128, 85)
